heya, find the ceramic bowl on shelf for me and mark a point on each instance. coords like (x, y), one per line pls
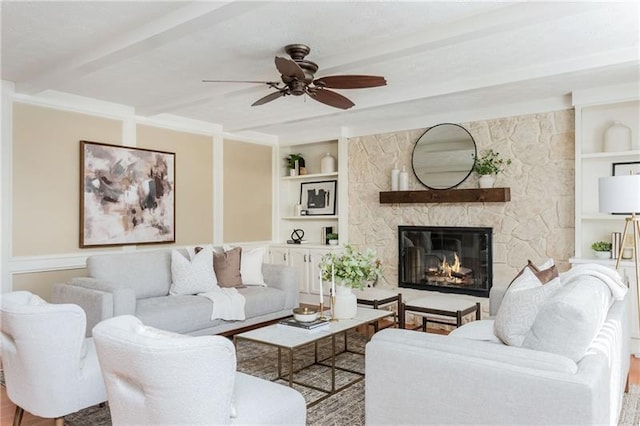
(305, 314)
(602, 254)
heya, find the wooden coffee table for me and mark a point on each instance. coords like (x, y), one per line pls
(291, 338)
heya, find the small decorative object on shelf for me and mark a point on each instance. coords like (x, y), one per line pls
(294, 163)
(601, 249)
(328, 164)
(616, 240)
(395, 176)
(488, 165)
(404, 180)
(332, 239)
(617, 137)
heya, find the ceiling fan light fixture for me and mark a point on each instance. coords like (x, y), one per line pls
(298, 77)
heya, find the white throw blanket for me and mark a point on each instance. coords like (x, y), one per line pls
(228, 304)
(607, 275)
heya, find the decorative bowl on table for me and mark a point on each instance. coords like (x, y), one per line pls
(305, 314)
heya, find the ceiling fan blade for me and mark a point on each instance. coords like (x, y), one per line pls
(270, 97)
(330, 98)
(289, 68)
(350, 81)
(239, 81)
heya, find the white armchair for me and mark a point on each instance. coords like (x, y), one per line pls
(159, 377)
(50, 369)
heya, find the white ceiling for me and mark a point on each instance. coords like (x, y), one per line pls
(439, 58)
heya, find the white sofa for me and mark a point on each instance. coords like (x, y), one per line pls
(138, 284)
(471, 377)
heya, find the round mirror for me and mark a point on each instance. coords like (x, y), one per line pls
(444, 156)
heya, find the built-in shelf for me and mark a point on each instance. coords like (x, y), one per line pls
(311, 176)
(486, 195)
(605, 155)
(311, 217)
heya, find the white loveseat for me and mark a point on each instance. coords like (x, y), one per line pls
(471, 377)
(139, 283)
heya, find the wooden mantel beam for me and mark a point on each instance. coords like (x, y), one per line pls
(487, 195)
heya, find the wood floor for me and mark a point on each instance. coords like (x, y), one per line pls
(7, 408)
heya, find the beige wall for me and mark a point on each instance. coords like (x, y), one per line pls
(46, 175)
(41, 283)
(247, 192)
(536, 224)
(194, 179)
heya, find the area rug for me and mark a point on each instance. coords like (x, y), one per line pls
(343, 408)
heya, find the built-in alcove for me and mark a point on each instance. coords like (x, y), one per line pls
(472, 195)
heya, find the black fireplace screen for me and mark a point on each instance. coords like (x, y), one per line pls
(446, 259)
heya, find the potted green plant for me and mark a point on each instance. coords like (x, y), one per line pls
(291, 160)
(332, 239)
(488, 165)
(601, 249)
(345, 270)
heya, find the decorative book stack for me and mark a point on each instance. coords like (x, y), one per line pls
(311, 326)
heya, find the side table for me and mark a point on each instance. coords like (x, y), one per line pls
(378, 298)
(434, 308)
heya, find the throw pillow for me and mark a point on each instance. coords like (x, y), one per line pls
(227, 267)
(545, 272)
(192, 276)
(520, 306)
(251, 266)
(571, 318)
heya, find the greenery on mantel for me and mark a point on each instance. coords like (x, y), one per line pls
(489, 163)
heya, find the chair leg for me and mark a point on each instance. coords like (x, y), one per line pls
(59, 421)
(17, 417)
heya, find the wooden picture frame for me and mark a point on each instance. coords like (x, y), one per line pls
(127, 195)
(319, 198)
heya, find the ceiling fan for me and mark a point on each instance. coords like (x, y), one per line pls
(297, 75)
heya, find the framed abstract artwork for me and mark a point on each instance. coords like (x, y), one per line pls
(127, 195)
(319, 198)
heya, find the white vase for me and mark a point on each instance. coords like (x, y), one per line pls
(328, 164)
(346, 305)
(602, 254)
(617, 137)
(486, 181)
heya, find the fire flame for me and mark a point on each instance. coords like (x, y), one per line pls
(447, 269)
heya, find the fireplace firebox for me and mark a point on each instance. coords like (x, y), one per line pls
(446, 259)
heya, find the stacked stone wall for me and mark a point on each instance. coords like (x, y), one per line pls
(538, 222)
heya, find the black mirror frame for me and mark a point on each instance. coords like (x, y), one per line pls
(475, 148)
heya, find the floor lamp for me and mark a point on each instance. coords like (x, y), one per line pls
(621, 194)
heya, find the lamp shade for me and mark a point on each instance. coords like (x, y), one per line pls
(619, 194)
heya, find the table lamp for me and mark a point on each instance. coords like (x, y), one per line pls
(621, 194)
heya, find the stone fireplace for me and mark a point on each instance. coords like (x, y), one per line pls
(446, 259)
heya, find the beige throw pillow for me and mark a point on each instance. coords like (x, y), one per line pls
(227, 267)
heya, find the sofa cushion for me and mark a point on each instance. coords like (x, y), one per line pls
(148, 273)
(192, 276)
(262, 300)
(477, 330)
(180, 313)
(187, 313)
(520, 306)
(571, 318)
